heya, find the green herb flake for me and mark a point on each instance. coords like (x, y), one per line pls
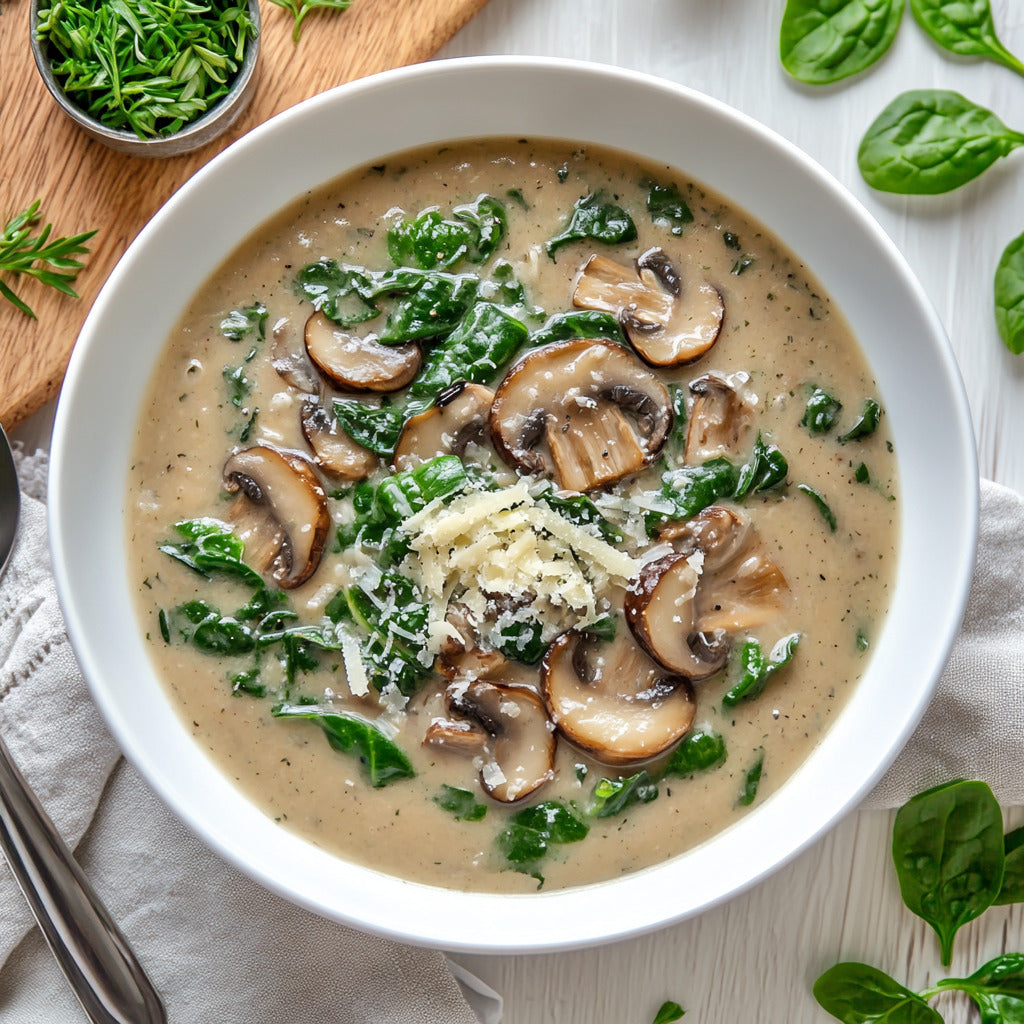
(299, 9)
(751, 781)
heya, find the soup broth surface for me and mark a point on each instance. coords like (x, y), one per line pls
(226, 384)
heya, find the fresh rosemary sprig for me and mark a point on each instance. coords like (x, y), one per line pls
(148, 66)
(21, 253)
(300, 8)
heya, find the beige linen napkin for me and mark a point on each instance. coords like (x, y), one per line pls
(219, 948)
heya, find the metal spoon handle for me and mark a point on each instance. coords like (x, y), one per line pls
(101, 968)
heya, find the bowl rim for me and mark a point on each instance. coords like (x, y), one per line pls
(568, 916)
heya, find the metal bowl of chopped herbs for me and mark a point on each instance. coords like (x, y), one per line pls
(148, 77)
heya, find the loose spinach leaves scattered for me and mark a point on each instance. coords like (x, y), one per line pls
(530, 833)
(209, 546)
(241, 322)
(964, 27)
(613, 796)
(823, 41)
(1009, 295)
(473, 234)
(596, 218)
(928, 141)
(666, 205)
(947, 847)
(668, 1012)
(857, 993)
(588, 323)
(382, 759)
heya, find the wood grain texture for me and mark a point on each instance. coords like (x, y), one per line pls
(84, 185)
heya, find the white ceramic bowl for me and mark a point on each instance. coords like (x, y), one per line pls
(369, 119)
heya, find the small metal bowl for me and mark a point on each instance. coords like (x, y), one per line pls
(193, 135)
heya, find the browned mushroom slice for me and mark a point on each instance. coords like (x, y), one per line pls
(458, 417)
(740, 587)
(458, 735)
(596, 409)
(612, 700)
(352, 363)
(333, 450)
(288, 357)
(281, 490)
(665, 326)
(719, 419)
(661, 609)
(521, 755)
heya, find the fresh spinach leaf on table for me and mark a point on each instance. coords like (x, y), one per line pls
(857, 993)
(947, 847)
(1009, 295)
(929, 141)
(823, 41)
(964, 27)
(997, 989)
(669, 1012)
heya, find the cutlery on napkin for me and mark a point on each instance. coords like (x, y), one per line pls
(219, 948)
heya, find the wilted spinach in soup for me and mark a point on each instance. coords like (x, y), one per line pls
(511, 514)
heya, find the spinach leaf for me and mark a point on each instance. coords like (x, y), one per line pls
(402, 495)
(431, 241)
(821, 412)
(755, 669)
(1009, 295)
(666, 205)
(1012, 890)
(382, 759)
(824, 41)
(588, 323)
(766, 468)
(821, 504)
(483, 342)
(522, 641)
(211, 547)
(432, 310)
(596, 218)
(996, 987)
(865, 425)
(241, 322)
(964, 27)
(582, 511)
(344, 294)
(752, 781)
(377, 427)
(857, 993)
(238, 384)
(213, 633)
(613, 796)
(668, 1012)
(928, 141)
(392, 619)
(460, 803)
(699, 752)
(530, 833)
(947, 847)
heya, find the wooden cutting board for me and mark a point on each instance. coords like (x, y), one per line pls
(84, 185)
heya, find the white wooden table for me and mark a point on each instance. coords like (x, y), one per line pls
(756, 957)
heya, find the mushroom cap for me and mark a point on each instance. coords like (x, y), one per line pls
(612, 700)
(333, 450)
(289, 359)
(283, 489)
(720, 417)
(458, 416)
(522, 745)
(354, 363)
(661, 609)
(601, 412)
(666, 326)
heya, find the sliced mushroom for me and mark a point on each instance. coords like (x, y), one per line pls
(664, 326)
(333, 450)
(288, 356)
(601, 413)
(458, 417)
(458, 735)
(281, 491)
(353, 363)
(740, 586)
(720, 417)
(612, 700)
(661, 609)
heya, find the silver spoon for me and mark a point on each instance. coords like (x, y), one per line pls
(95, 957)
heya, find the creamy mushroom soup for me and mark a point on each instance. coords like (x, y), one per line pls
(511, 515)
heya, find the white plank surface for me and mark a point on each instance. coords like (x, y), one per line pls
(755, 958)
